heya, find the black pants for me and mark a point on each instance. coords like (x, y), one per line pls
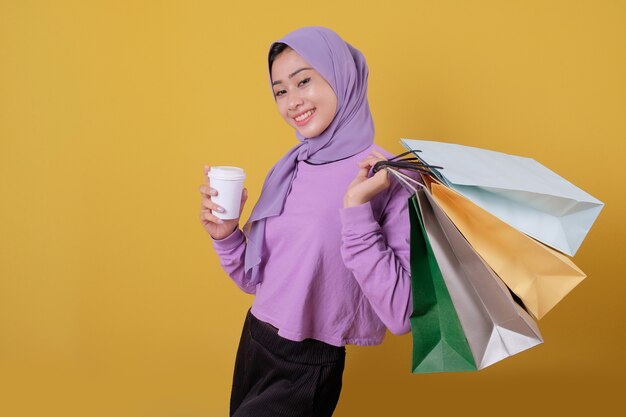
(277, 377)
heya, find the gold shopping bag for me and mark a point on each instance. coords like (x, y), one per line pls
(538, 275)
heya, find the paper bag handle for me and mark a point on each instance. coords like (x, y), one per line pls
(414, 164)
(405, 180)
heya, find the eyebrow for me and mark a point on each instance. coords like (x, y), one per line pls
(291, 75)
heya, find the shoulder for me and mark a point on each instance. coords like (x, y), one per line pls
(396, 190)
(395, 196)
(389, 155)
(382, 150)
(374, 147)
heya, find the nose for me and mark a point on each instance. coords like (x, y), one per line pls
(295, 100)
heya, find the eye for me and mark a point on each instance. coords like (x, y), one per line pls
(305, 81)
(279, 93)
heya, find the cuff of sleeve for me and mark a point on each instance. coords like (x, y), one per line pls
(359, 218)
(229, 242)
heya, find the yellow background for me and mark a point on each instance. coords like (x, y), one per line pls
(112, 301)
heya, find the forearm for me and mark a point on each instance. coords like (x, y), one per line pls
(231, 252)
(383, 278)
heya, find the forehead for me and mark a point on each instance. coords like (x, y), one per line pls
(286, 63)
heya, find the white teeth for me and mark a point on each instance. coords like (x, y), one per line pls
(304, 116)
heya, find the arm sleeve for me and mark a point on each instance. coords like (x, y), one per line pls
(231, 251)
(378, 256)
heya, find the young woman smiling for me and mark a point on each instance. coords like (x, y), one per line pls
(326, 248)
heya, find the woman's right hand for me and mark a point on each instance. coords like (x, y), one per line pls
(216, 227)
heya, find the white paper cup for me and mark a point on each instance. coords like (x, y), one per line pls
(228, 181)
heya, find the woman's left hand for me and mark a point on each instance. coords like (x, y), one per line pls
(363, 188)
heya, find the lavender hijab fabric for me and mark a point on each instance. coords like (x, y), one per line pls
(350, 132)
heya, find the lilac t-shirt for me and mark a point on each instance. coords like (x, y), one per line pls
(339, 275)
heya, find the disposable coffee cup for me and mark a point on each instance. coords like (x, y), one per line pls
(228, 181)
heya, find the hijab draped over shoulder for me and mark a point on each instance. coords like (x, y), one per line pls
(350, 132)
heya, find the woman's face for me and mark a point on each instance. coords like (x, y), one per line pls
(304, 98)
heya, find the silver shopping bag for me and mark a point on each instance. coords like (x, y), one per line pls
(495, 326)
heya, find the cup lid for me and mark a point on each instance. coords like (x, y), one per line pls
(227, 173)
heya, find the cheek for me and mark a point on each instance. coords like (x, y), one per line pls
(330, 102)
(333, 104)
(282, 109)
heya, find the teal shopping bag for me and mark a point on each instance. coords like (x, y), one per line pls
(439, 343)
(517, 190)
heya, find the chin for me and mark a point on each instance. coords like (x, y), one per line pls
(311, 133)
(307, 135)
(310, 137)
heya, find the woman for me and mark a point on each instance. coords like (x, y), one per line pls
(325, 252)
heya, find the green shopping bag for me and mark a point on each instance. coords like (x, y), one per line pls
(439, 343)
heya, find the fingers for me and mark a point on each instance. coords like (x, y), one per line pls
(380, 179)
(383, 176)
(363, 169)
(206, 215)
(372, 159)
(244, 198)
(366, 164)
(207, 203)
(207, 191)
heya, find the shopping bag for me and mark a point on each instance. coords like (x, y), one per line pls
(518, 190)
(537, 274)
(439, 343)
(495, 326)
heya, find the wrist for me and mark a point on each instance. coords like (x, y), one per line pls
(221, 235)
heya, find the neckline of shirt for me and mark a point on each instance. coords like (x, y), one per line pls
(306, 166)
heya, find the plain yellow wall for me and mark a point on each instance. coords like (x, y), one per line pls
(112, 301)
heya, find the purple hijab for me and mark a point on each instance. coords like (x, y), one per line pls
(350, 132)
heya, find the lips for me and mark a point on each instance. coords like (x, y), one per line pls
(307, 116)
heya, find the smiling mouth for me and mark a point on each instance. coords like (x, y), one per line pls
(304, 117)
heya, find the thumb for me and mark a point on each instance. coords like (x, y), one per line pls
(244, 198)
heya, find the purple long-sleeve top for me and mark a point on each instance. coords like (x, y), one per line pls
(335, 274)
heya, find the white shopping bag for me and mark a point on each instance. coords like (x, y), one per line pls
(518, 190)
